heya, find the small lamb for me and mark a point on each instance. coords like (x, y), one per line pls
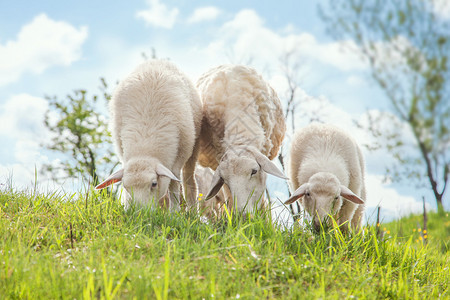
(156, 116)
(242, 130)
(325, 165)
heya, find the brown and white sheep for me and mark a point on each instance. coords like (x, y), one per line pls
(242, 130)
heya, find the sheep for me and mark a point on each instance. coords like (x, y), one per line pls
(326, 165)
(212, 208)
(242, 129)
(156, 116)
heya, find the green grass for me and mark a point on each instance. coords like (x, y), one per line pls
(436, 234)
(89, 247)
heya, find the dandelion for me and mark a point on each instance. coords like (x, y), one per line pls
(419, 230)
(384, 229)
(200, 197)
(378, 224)
(388, 232)
(420, 238)
(424, 231)
(417, 241)
(414, 230)
(425, 236)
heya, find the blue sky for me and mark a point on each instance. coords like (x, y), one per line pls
(54, 47)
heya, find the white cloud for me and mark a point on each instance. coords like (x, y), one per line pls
(393, 204)
(201, 14)
(23, 121)
(23, 117)
(39, 45)
(441, 8)
(22, 130)
(158, 14)
(17, 175)
(356, 81)
(245, 37)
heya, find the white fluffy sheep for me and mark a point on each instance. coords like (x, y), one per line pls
(242, 130)
(326, 165)
(156, 117)
(213, 207)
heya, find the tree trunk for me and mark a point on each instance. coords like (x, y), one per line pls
(440, 206)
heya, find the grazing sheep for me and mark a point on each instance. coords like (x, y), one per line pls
(213, 207)
(325, 165)
(156, 118)
(242, 130)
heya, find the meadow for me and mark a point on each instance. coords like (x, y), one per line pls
(88, 247)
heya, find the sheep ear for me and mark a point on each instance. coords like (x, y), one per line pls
(216, 183)
(349, 195)
(297, 194)
(161, 170)
(268, 166)
(113, 178)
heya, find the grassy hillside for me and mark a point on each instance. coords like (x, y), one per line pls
(89, 247)
(437, 233)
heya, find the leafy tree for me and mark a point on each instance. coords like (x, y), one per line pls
(80, 134)
(407, 45)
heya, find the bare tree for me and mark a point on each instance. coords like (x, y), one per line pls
(297, 105)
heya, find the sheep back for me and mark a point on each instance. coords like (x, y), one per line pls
(239, 108)
(156, 112)
(325, 148)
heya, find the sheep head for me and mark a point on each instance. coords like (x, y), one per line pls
(322, 196)
(145, 180)
(244, 170)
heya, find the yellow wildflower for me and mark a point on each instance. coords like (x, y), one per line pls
(414, 230)
(425, 236)
(420, 238)
(424, 231)
(419, 230)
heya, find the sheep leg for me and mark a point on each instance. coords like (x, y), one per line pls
(175, 193)
(358, 215)
(189, 183)
(346, 213)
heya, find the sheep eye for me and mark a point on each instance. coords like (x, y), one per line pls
(254, 172)
(154, 184)
(337, 197)
(307, 194)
